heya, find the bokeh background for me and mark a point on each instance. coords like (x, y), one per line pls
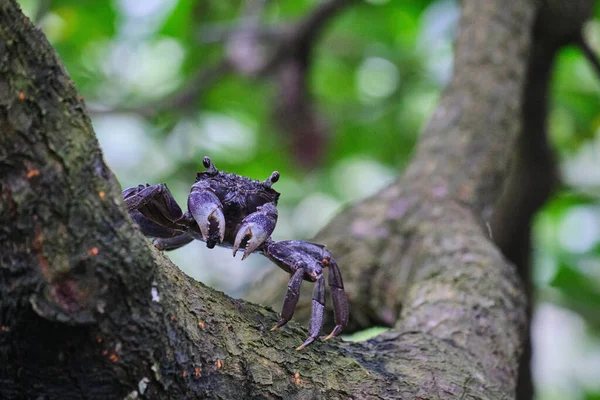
(161, 97)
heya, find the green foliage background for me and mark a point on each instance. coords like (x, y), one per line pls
(375, 77)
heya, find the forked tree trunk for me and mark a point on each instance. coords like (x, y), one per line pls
(90, 310)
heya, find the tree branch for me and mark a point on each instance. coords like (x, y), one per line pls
(83, 293)
(295, 112)
(299, 39)
(462, 158)
(534, 173)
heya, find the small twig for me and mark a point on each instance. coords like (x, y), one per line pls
(313, 24)
(489, 228)
(221, 32)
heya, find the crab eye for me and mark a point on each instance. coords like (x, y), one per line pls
(274, 176)
(271, 179)
(325, 262)
(212, 170)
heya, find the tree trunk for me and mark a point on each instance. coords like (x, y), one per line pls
(90, 310)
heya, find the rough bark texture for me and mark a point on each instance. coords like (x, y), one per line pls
(377, 294)
(445, 199)
(534, 174)
(89, 310)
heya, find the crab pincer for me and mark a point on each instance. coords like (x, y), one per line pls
(207, 210)
(255, 229)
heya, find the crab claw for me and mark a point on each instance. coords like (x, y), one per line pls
(255, 229)
(207, 210)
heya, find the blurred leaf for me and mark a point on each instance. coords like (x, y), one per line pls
(76, 29)
(577, 286)
(579, 97)
(592, 396)
(84, 22)
(180, 23)
(565, 199)
(366, 334)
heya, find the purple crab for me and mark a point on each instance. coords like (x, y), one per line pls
(234, 211)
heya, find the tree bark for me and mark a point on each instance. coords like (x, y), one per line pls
(90, 310)
(532, 178)
(461, 162)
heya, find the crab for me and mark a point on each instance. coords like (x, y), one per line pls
(234, 211)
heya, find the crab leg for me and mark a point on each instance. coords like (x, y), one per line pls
(155, 202)
(316, 316)
(207, 210)
(255, 229)
(151, 228)
(340, 302)
(291, 298)
(139, 196)
(173, 242)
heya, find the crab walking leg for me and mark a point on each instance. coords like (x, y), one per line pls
(207, 210)
(151, 228)
(340, 302)
(139, 196)
(256, 228)
(155, 202)
(173, 243)
(291, 298)
(316, 316)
